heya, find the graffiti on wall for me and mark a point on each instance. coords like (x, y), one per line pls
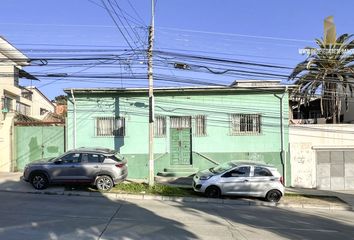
(301, 165)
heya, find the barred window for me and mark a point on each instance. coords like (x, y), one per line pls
(110, 126)
(245, 123)
(23, 108)
(200, 125)
(160, 126)
(180, 122)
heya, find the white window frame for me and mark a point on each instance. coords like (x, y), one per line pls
(23, 108)
(245, 124)
(180, 122)
(110, 126)
(200, 125)
(160, 126)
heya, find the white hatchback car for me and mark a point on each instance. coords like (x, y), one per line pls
(240, 178)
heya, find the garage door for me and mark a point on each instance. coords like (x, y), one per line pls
(335, 169)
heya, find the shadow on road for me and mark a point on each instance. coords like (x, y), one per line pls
(40, 216)
(260, 222)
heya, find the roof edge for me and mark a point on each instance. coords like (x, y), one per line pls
(173, 89)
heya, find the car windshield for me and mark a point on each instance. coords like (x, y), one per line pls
(222, 167)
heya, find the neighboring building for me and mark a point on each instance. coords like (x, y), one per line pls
(195, 128)
(311, 113)
(41, 106)
(322, 156)
(15, 99)
(321, 153)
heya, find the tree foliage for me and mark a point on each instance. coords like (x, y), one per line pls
(327, 73)
(61, 99)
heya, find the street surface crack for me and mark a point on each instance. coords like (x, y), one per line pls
(110, 220)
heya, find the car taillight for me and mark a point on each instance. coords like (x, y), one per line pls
(281, 180)
(120, 165)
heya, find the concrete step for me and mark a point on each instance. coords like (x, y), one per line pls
(175, 174)
(180, 169)
(181, 181)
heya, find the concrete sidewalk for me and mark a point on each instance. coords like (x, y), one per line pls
(11, 182)
(346, 196)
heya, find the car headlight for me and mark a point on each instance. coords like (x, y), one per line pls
(205, 177)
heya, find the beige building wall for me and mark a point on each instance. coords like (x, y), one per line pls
(6, 146)
(39, 101)
(304, 138)
(9, 90)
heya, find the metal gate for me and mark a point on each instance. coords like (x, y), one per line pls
(335, 169)
(180, 140)
(37, 142)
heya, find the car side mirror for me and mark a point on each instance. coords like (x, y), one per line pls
(58, 161)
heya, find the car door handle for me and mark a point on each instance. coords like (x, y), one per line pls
(95, 166)
(245, 180)
(72, 166)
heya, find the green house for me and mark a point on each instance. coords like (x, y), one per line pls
(194, 128)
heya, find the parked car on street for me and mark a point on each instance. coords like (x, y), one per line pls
(240, 178)
(98, 166)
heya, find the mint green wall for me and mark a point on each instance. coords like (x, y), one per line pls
(33, 143)
(218, 145)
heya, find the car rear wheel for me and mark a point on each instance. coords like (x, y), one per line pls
(104, 183)
(39, 181)
(213, 192)
(273, 196)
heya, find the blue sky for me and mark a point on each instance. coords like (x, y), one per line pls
(259, 31)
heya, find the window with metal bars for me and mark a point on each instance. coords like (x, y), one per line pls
(180, 122)
(245, 124)
(23, 108)
(160, 126)
(110, 126)
(200, 126)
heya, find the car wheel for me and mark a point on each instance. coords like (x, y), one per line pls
(213, 192)
(104, 183)
(39, 181)
(273, 196)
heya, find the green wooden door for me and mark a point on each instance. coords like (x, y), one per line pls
(37, 142)
(180, 146)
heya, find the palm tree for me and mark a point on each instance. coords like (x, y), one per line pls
(327, 73)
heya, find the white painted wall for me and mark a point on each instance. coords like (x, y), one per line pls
(8, 89)
(38, 102)
(6, 138)
(302, 139)
(14, 60)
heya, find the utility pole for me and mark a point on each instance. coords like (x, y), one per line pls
(281, 123)
(151, 97)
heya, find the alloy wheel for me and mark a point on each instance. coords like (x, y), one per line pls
(104, 183)
(38, 182)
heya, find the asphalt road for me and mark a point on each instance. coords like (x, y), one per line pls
(37, 217)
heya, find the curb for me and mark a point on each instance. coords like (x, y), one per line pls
(241, 202)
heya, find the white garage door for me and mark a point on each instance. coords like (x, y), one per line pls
(335, 169)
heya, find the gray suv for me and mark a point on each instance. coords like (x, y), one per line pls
(240, 178)
(98, 166)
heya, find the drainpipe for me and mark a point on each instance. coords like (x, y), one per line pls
(282, 157)
(74, 119)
